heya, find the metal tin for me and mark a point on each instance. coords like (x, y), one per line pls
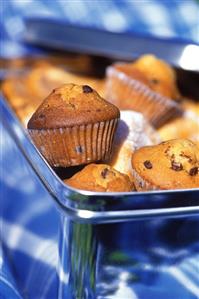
(113, 244)
(56, 34)
(100, 207)
(107, 240)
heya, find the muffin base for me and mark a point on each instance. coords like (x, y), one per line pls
(75, 145)
(141, 184)
(129, 93)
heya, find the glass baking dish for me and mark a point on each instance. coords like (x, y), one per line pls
(115, 245)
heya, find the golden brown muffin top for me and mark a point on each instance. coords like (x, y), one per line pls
(191, 105)
(16, 92)
(71, 105)
(154, 73)
(101, 178)
(173, 164)
(132, 72)
(160, 74)
(182, 127)
(43, 78)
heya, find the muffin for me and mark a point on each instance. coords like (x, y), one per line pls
(74, 126)
(173, 164)
(43, 78)
(160, 76)
(19, 97)
(191, 106)
(147, 86)
(101, 178)
(26, 91)
(133, 132)
(186, 127)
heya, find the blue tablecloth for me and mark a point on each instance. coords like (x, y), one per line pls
(164, 18)
(29, 221)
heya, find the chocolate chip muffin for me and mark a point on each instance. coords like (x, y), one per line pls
(172, 164)
(74, 126)
(100, 178)
(147, 85)
(20, 98)
(160, 76)
(183, 127)
(43, 78)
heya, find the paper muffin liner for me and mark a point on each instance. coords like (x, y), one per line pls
(75, 145)
(128, 93)
(140, 183)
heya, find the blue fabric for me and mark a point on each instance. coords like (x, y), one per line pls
(29, 221)
(29, 229)
(166, 18)
(30, 232)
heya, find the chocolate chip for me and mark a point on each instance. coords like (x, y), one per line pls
(87, 89)
(104, 173)
(148, 164)
(41, 116)
(176, 166)
(193, 171)
(71, 105)
(154, 81)
(186, 156)
(178, 99)
(168, 148)
(79, 149)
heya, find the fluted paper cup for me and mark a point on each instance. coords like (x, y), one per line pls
(128, 93)
(75, 145)
(140, 183)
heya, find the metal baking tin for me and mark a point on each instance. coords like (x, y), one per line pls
(114, 245)
(100, 207)
(55, 34)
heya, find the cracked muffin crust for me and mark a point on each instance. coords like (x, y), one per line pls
(74, 126)
(172, 164)
(101, 178)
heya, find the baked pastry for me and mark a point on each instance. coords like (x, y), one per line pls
(44, 78)
(19, 97)
(101, 178)
(26, 91)
(191, 106)
(147, 86)
(172, 164)
(186, 127)
(160, 76)
(133, 132)
(74, 126)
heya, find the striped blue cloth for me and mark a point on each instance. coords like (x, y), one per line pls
(166, 18)
(29, 222)
(29, 244)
